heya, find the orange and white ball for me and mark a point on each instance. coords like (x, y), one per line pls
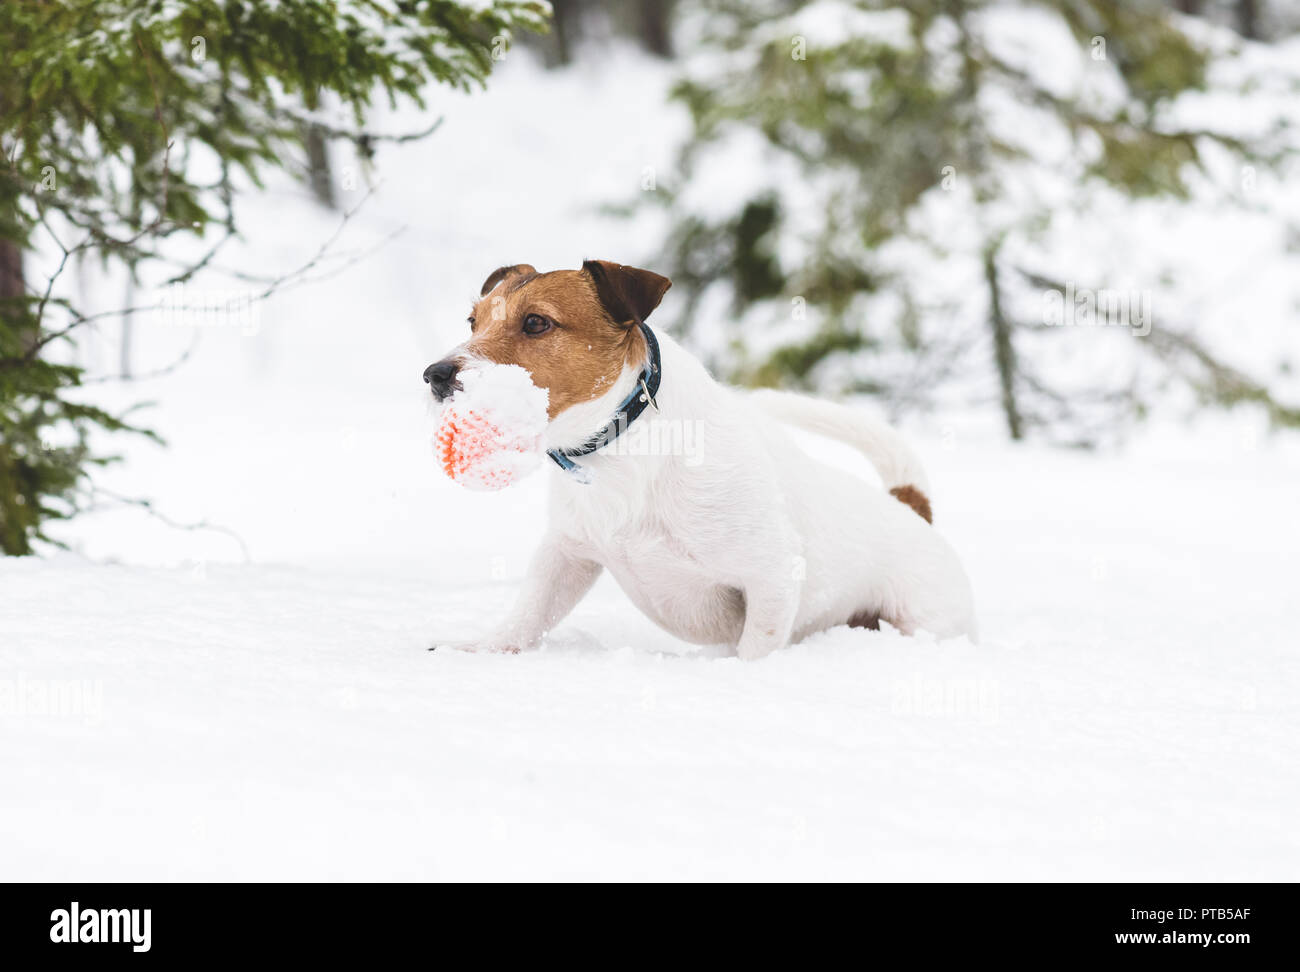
(490, 432)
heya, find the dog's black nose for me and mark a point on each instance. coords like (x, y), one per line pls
(441, 378)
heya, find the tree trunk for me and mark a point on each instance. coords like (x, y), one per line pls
(128, 330)
(1248, 18)
(655, 18)
(11, 270)
(318, 166)
(15, 512)
(564, 31)
(13, 294)
(1004, 352)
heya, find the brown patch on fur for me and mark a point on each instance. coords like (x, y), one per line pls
(593, 334)
(865, 619)
(914, 498)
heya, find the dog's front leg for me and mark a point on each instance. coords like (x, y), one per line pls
(556, 581)
(771, 605)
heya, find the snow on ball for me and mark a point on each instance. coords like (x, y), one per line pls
(490, 432)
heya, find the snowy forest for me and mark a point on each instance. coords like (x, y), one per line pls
(1065, 214)
(1057, 242)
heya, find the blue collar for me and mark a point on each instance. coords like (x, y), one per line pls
(643, 394)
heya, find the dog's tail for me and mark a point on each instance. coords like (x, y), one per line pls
(894, 460)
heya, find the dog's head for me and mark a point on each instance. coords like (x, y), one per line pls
(572, 330)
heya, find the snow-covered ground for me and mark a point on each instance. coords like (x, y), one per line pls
(1131, 713)
(171, 708)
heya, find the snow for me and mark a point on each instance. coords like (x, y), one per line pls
(1130, 715)
(172, 707)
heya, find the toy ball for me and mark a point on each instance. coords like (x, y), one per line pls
(490, 432)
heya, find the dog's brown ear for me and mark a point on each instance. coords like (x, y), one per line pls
(628, 293)
(500, 273)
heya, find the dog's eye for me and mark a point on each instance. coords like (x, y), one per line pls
(536, 324)
(471, 321)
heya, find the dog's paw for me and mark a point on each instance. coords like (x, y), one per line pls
(476, 647)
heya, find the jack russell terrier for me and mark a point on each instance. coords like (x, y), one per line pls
(747, 541)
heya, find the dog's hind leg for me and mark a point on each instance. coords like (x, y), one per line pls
(938, 602)
(771, 605)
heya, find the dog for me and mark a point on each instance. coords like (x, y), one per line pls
(744, 540)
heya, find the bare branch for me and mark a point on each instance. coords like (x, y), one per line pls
(296, 277)
(320, 253)
(363, 139)
(146, 376)
(148, 507)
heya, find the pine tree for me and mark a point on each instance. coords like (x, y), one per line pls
(925, 165)
(109, 109)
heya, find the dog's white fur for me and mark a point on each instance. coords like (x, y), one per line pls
(745, 541)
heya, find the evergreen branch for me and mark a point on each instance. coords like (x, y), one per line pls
(1225, 384)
